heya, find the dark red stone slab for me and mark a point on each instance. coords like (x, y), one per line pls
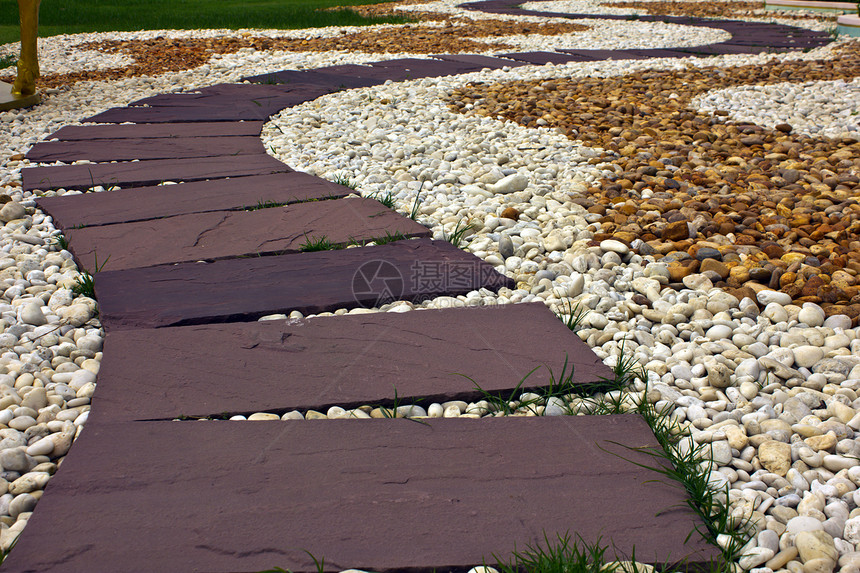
(103, 150)
(223, 105)
(228, 234)
(482, 61)
(331, 81)
(145, 173)
(143, 203)
(147, 130)
(720, 49)
(245, 289)
(540, 58)
(345, 360)
(595, 55)
(425, 68)
(379, 495)
(361, 72)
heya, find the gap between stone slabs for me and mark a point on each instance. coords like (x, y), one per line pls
(380, 495)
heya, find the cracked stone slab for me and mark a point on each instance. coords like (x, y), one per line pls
(104, 150)
(378, 495)
(144, 203)
(158, 131)
(236, 290)
(150, 172)
(349, 361)
(227, 234)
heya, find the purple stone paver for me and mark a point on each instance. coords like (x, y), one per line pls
(348, 361)
(413, 68)
(158, 131)
(146, 173)
(143, 203)
(541, 58)
(315, 77)
(246, 289)
(482, 61)
(229, 234)
(104, 150)
(380, 495)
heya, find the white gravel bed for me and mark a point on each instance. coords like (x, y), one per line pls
(813, 22)
(737, 376)
(827, 108)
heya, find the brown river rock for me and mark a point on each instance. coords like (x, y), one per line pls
(783, 204)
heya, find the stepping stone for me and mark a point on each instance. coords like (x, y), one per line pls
(655, 53)
(379, 495)
(245, 289)
(147, 173)
(229, 234)
(218, 103)
(595, 55)
(314, 77)
(364, 72)
(482, 61)
(541, 58)
(349, 361)
(144, 203)
(720, 49)
(104, 150)
(158, 131)
(412, 68)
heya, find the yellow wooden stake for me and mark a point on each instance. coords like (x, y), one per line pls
(28, 64)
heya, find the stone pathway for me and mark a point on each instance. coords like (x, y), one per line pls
(180, 261)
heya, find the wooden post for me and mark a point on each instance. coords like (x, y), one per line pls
(28, 64)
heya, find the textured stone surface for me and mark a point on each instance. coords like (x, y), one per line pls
(346, 360)
(103, 150)
(147, 130)
(380, 495)
(227, 234)
(246, 289)
(142, 203)
(144, 173)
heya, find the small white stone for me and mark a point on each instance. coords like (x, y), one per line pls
(811, 314)
(766, 297)
(32, 314)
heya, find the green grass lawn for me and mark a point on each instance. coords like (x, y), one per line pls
(73, 16)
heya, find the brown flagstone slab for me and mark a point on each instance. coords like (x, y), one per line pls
(151, 172)
(379, 495)
(157, 130)
(104, 150)
(144, 203)
(349, 361)
(245, 289)
(226, 234)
